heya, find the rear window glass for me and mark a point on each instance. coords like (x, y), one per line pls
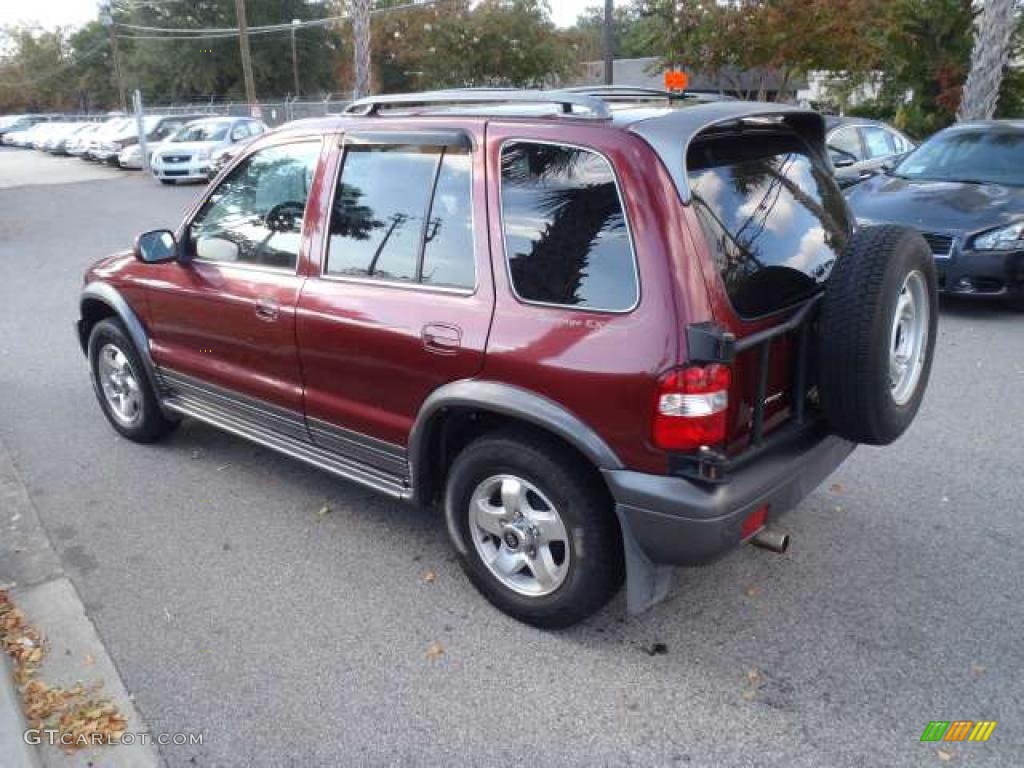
(565, 232)
(774, 218)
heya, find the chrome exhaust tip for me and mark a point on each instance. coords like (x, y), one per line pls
(773, 541)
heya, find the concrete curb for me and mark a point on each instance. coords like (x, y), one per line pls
(17, 754)
(31, 569)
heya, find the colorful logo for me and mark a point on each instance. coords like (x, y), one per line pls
(958, 730)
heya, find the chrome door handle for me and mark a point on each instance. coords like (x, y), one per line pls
(267, 309)
(441, 338)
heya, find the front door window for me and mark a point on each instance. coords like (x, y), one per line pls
(254, 217)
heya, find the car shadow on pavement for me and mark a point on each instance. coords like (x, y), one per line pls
(968, 307)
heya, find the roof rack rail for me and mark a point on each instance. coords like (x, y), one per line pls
(595, 109)
(624, 92)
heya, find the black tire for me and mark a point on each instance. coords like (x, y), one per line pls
(595, 568)
(169, 182)
(150, 424)
(856, 333)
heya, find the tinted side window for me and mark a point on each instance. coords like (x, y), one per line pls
(773, 217)
(566, 238)
(448, 241)
(403, 213)
(255, 215)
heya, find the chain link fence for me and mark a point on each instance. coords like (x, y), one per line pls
(273, 113)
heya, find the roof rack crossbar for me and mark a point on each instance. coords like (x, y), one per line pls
(566, 100)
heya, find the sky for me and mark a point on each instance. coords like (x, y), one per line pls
(52, 13)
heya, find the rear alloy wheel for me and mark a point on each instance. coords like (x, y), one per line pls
(534, 529)
(876, 335)
(519, 535)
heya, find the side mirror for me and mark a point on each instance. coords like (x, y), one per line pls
(156, 247)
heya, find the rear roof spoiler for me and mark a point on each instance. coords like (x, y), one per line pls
(671, 134)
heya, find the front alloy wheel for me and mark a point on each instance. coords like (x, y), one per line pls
(120, 385)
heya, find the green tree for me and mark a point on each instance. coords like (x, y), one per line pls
(182, 70)
(634, 31)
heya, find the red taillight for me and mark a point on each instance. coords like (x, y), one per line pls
(690, 410)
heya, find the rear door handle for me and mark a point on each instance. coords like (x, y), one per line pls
(441, 338)
(267, 309)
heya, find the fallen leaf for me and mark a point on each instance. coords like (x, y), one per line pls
(754, 676)
(435, 651)
(837, 488)
(945, 755)
(430, 577)
(749, 695)
(324, 510)
(752, 591)
(978, 669)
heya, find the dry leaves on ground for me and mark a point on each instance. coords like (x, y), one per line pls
(435, 651)
(946, 755)
(429, 577)
(71, 711)
(754, 681)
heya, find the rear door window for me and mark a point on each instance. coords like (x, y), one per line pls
(566, 238)
(773, 216)
(403, 213)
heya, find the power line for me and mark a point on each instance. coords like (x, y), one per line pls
(206, 33)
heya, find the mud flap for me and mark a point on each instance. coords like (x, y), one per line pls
(647, 583)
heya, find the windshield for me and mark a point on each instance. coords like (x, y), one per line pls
(201, 132)
(983, 156)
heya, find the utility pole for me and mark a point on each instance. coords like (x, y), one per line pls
(108, 21)
(295, 57)
(361, 40)
(243, 42)
(609, 41)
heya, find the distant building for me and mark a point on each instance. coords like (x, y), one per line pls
(648, 73)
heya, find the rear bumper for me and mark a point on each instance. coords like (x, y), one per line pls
(676, 521)
(982, 273)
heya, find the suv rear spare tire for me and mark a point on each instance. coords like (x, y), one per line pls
(877, 334)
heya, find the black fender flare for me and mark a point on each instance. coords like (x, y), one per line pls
(112, 298)
(506, 400)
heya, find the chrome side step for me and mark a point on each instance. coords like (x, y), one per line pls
(187, 405)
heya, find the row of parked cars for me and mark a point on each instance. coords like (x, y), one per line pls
(179, 147)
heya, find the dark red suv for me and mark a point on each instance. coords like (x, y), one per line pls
(609, 337)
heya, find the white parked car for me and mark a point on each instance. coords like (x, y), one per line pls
(187, 154)
(77, 144)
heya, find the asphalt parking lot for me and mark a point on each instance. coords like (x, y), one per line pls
(233, 608)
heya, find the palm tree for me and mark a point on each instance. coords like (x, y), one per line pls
(577, 214)
(989, 59)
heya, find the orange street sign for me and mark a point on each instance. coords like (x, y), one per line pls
(676, 80)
